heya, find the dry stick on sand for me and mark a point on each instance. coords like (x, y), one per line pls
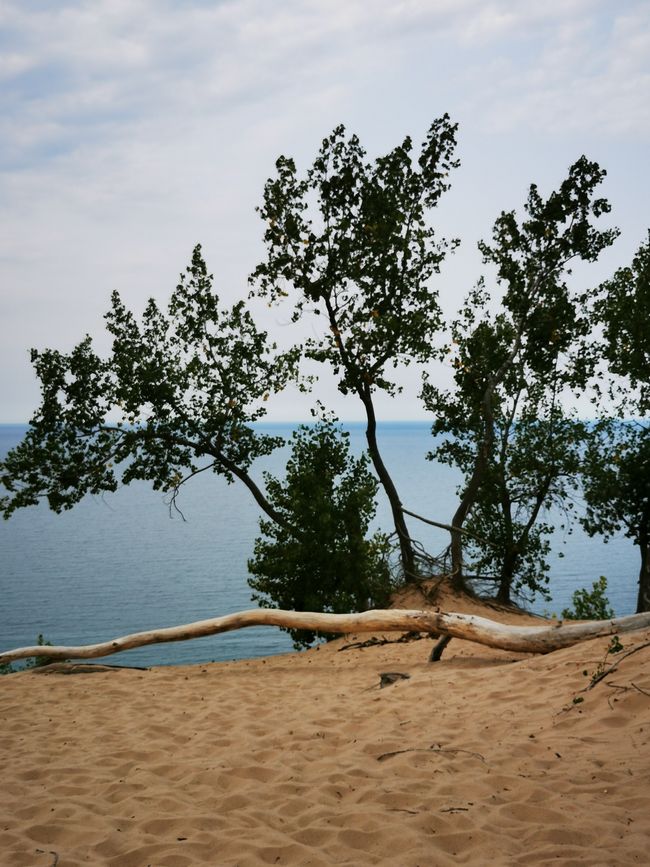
(432, 749)
(525, 639)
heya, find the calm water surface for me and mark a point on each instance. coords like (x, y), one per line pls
(119, 563)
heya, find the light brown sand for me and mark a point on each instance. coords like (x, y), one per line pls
(284, 761)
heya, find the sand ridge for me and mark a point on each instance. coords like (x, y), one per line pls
(482, 758)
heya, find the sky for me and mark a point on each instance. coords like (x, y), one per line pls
(130, 130)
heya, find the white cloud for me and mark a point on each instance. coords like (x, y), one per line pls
(585, 74)
(130, 129)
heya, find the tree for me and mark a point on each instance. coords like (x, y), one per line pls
(616, 473)
(351, 242)
(318, 558)
(177, 396)
(616, 487)
(504, 425)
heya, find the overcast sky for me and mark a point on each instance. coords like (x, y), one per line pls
(130, 130)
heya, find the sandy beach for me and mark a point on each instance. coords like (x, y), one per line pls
(302, 759)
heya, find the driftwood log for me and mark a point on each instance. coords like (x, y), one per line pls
(525, 639)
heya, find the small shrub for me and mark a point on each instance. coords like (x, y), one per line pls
(600, 672)
(590, 604)
(32, 662)
(38, 661)
(322, 559)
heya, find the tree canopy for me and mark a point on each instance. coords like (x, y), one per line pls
(178, 395)
(350, 243)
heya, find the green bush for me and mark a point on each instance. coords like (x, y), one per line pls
(32, 662)
(319, 558)
(590, 604)
(38, 661)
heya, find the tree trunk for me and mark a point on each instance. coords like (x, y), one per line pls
(643, 599)
(467, 501)
(406, 547)
(364, 392)
(503, 593)
(506, 576)
(523, 639)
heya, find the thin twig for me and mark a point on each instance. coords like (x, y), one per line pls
(390, 755)
(608, 671)
(376, 642)
(638, 689)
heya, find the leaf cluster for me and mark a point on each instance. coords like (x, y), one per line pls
(615, 477)
(591, 604)
(623, 311)
(352, 239)
(177, 395)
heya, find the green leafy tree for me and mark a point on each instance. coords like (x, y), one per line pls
(616, 478)
(351, 243)
(177, 396)
(319, 557)
(616, 487)
(503, 425)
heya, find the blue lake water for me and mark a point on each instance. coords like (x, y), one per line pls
(119, 563)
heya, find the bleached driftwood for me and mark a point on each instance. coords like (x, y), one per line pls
(525, 639)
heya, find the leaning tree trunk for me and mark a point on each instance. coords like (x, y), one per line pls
(524, 639)
(643, 599)
(467, 501)
(405, 544)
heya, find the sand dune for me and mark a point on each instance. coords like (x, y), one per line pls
(482, 758)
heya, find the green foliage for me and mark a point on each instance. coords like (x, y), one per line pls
(616, 479)
(623, 309)
(616, 489)
(352, 241)
(34, 661)
(184, 387)
(503, 424)
(320, 559)
(616, 476)
(601, 671)
(39, 661)
(590, 604)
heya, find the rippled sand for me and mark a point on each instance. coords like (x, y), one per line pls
(482, 758)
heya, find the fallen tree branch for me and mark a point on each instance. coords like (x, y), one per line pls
(524, 639)
(373, 641)
(431, 749)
